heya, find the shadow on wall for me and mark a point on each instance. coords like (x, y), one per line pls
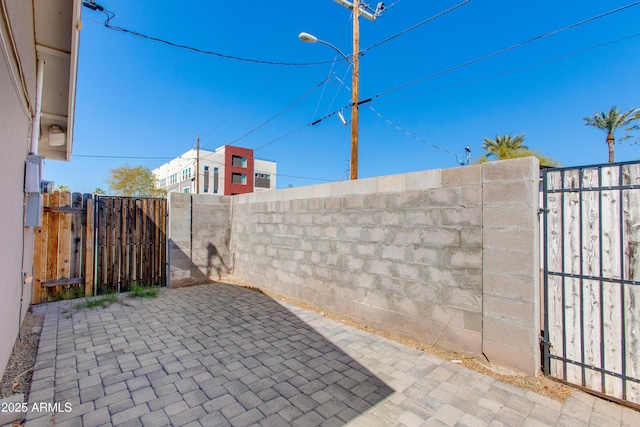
(202, 266)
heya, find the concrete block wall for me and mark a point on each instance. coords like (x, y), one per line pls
(511, 264)
(198, 232)
(444, 257)
(401, 253)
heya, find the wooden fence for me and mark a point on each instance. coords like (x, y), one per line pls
(130, 242)
(62, 246)
(89, 246)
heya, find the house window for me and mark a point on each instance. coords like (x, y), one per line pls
(215, 191)
(239, 161)
(215, 169)
(206, 190)
(239, 178)
(173, 178)
(206, 168)
(185, 190)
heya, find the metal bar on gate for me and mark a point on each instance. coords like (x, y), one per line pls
(597, 369)
(603, 279)
(564, 282)
(546, 366)
(601, 282)
(580, 233)
(622, 302)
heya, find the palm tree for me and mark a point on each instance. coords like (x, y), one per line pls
(611, 122)
(504, 147)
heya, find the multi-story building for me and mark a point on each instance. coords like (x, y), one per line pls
(227, 171)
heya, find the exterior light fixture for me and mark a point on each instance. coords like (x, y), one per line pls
(57, 137)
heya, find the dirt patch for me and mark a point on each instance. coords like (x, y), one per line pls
(538, 384)
(17, 375)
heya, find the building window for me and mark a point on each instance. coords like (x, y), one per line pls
(215, 169)
(186, 173)
(206, 190)
(215, 191)
(173, 178)
(239, 161)
(185, 190)
(239, 178)
(206, 168)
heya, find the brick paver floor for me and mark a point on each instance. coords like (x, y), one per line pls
(222, 355)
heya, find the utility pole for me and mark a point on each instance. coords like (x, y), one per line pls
(358, 9)
(355, 84)
(198, 165)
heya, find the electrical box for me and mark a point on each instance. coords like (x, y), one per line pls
(33, 210)
(32, 174)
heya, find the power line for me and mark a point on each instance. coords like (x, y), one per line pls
(417, 138)
(110, 15)
(513, 70)
(510, 48)
(482, 58)
(282, 111)
(451, 9)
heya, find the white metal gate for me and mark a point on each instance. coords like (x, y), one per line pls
(591, 332)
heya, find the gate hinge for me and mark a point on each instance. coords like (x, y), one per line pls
(542, 211)
(545, 342)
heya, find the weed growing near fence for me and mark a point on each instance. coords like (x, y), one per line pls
(141, 291)
(103, 301)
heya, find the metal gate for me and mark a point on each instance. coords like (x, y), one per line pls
(130, 243)
(591, 223)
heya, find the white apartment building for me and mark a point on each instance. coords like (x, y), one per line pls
(226, 171)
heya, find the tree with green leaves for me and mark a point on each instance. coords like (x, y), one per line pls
(99, 191)
(505, 147)
(136, 181)
(63, 188)
(610, 123)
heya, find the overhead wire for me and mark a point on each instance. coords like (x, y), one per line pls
(513, 70)
(417, 138)
(309, 92)
(413, 27)
(110, 15)
(507, 49)
(482, 58)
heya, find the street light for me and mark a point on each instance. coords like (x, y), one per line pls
(359, 9)
(310, 38)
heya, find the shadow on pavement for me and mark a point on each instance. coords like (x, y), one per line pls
(219, 354)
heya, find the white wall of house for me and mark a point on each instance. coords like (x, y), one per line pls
(15, 123)
(28, 29)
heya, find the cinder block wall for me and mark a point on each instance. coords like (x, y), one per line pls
(401, 253)
(198, 232)
(446, 257)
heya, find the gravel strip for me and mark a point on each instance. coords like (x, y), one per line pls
(17, 375)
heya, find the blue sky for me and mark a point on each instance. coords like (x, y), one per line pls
(138, 99)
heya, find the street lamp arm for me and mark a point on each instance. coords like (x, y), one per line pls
(309, 38)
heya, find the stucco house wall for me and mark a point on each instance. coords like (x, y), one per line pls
(15, 122)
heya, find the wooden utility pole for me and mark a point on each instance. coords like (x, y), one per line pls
(198, 165)
(355, 83)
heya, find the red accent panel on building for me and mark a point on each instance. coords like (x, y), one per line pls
(229, 187)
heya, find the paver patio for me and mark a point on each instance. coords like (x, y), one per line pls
(219, 355)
